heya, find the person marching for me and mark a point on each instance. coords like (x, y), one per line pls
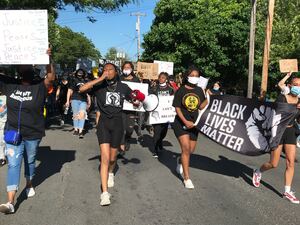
(110, 93)
(128, 116)
(61, 98)
(288, 142)
(188, 100)
(160, 130)
(80, 102)
(25, 102)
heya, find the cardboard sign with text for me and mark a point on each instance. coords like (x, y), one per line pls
(23, 37)
(148, 70)
(288, 65)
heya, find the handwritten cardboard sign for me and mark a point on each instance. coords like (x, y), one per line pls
(288, 65)
(148, 70)
(23, 37)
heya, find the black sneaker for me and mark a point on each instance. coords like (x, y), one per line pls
(75, 133)
(155, 155)
(81, 135)
(2, 162)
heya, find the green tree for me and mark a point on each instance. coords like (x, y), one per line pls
(53, 5)
(111, 53)
(209, 34)
(71, 46)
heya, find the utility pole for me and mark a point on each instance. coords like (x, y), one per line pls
(138, 29)
(264, 80)
(251, 49)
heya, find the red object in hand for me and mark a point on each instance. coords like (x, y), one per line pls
(137, 95)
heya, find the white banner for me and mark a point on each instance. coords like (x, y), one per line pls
(23, 37)
(164, 66)
(165, 112)
(135, 86)
(203, 82)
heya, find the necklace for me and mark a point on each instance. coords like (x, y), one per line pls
(112, 88)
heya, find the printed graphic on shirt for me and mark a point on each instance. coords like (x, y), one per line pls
(164, 93)
(21, 95)
(113, 99)
(191, 102)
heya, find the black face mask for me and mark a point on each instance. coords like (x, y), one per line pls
(27, 75)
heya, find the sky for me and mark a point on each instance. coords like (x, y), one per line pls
(117, 29)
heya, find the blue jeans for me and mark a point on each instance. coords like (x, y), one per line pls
(15, 154)
(77, 107)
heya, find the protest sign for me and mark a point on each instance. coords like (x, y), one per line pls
(164, 66)
(23, 37)
(203, 82)
(165, 112)
(135, 86)
(245, 125)
(288, 65)
(148, 70)
(85, 64)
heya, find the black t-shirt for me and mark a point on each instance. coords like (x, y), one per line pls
(282, 98)
(189, 101)
(75, 84)
(163, 91)
(32, 122)
(63, 92)
(110, 99)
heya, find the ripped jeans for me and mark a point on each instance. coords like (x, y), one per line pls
(79, 113)
(15, 153)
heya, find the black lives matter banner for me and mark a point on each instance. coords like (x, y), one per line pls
(245, 125)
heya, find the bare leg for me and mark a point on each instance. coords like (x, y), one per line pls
(113, 159)
(290, 153)
(105, 159)
(274, 159)
(184, 142)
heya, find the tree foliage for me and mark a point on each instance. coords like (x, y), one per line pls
(53, 5)
(72, 45)
(209, 34)
(214, 35)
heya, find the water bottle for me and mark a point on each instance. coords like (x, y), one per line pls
(66, 110)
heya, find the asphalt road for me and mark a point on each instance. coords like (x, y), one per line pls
(147, 190)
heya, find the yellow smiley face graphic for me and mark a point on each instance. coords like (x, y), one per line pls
(191, 102)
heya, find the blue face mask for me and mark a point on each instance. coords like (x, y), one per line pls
(295, 90)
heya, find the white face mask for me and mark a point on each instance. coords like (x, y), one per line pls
(127, 72)
(193, 80)
(163, 84)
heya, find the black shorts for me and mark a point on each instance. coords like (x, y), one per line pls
(110, 130)
(179, 131)
(289, 136)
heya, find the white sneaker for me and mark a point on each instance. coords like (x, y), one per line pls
(256, 177)
(30, 192)
(105, 198)
(110, 181)
(188, 184)
(7, 208)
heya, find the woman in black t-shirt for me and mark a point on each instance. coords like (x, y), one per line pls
(160, 130)
(110, 94)
(188, 100)
(288, 142)
(128, 116)
(25, 103)
(80, 102)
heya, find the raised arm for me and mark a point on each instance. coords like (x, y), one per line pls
(281, 83)
(89, 85)
(50, 76)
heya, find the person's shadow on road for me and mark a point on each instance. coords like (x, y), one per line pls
(223, 166)
(51, 162)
